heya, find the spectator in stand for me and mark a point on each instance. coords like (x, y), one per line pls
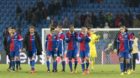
(40, 4)
(94, 20)
(92, 1)
(136, 22)
(72, 3)
(28, 14)
(130, 20)
(76, 20)
(18, 15)
(82, 19)
(45, 12)
(65, 3)
(66, 22)
(109, 19)
(88, 19)
(117, 21)
(99, 1)
(101, 19)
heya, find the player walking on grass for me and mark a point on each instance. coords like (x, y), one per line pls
(6, 34)
(84, 39)
(124, 47)
(134, 52)
(51, 49)
(13, 40)
(92, 44)
(61, 46)
(71, 39)
(32, 43)
(19, 48)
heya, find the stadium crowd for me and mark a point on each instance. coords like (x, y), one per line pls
(51, 12)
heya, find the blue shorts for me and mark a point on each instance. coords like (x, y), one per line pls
(32, 53)
(125, 55)
(12, 54)
(17, 53)
(84, 54)
(72, 53)
(51, 53)
(60, 53)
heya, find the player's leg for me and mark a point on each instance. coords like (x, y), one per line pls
(121, 59)
(69, 55)
(32, 55)
(9, 57)
(12, 55)
(127, 57)
(92, 60)
(82, 61)
(74, 55)
(54, 58)
(87, 62)
(63, 61)
(48, 55)
(17, 58)
(135, 56)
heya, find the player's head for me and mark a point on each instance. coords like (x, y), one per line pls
(132, 35)
(123, 29)
(84, 29)
(52, 29)
(13, 29)
(71, 28)
(9, 30)
(31, 29)
(59, 28)
(89, 29)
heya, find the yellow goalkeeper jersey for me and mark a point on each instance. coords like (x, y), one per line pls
(94, 39)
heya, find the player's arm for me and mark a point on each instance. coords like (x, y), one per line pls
(80, 38)
(67, 37)
(20, 39)
(46, 43)
(117, 44)
(88, 38)
(130, 39)
(25, 41)
(56, 44)
(39, 52)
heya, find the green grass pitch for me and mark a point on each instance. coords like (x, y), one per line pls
(100, 71)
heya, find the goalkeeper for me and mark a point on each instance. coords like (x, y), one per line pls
(92, 44)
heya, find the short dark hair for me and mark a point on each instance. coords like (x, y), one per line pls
(88, 27)
(52, 28)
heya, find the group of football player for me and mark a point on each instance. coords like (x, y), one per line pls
(70, 43)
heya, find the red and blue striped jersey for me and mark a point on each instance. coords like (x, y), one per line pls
(84, 41)
(61, 43)
(15, 42)
(124, 42)
(32, 43)
(51, 42)
(71, 39)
